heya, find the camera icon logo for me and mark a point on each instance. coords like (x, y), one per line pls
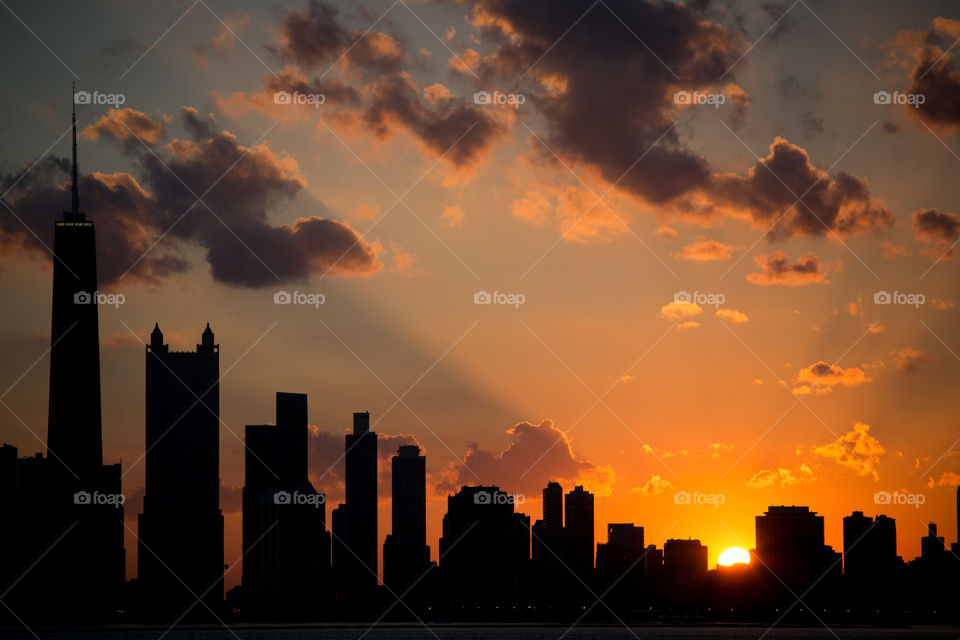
(882, 297)
(482, 97)
(482, 497)
(881, 497)
(683, 297)
(82, 297)
(881, 97)
(482, 297)
(682, 97)
(282, 297)
(81, 497)
(281, 497)
(81, 97)
(281, 97)
(681, 497)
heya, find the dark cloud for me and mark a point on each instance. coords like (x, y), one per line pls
(536, 454)
(127, 125)
(938, 230)
(890, 127)
(776, 268)
(197, 126)
(934, 74)
(243, 248)
(812, 124)
(768, 191)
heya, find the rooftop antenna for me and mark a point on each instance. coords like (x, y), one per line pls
(73, 182)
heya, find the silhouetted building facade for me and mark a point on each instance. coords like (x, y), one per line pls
(181, 527)
(578, 531)
(684, 572)
(406, 556)
(620, 565)
(359, 573)
(286, 547)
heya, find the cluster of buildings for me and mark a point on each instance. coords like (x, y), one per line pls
(62, 538)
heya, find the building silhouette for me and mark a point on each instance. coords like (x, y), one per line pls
(64, 558)
(406, 556)
(180, 534)
(620, 566)
(358, 573)
(286, 547)
(790, 546)
(684, 572)
(547, 549)
(578, 531)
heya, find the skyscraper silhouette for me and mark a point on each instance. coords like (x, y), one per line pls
(361, 500)
(286, 547)
(406, 556)
(684, 572)
(181, 528)
(578, 531)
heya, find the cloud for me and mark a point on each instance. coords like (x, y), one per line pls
(856, 450)
(947, 479)
(704, 250)
(781, 478)
(732, 315)
(241, 188)
(938, 230)
(943, 305)
(680, 310)
(890, 250)
(909, 359)
(933, 73)
(535, 455)
(653, 487)
(821, 377)
(126, 125)
(776, 268)
(452, 216)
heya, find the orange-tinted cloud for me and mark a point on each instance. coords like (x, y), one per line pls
(909, 359)
(856, 450)
(821, 377)
(704, 250)
(680, 310)
(654, 486)
(939, 230)
(776, 268)
(732, 315)
(126, 125)
(781, 478)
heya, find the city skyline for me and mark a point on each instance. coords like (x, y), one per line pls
(653, 346)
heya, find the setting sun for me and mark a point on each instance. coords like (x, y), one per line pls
(734, 555)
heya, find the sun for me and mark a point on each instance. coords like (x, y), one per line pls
(734, 555)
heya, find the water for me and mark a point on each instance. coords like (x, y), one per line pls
(384, 632)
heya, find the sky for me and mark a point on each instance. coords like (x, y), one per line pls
(697, 257)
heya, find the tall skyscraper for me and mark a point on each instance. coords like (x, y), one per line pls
(74, 435)
(406, 556)
(181, 527)
(286, 547)
(578, 532)
(684, 571)
(361, 501)
(553, 517)
(869, 546)
(620, 568)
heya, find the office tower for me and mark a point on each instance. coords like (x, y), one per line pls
(684, 572)
(869, 546)
(790, 544)
(68, 511)
(620, 567)
(932, 546)
(406, 556)
(553, 517)
(361, 501)
(548, 547)
(339, 555)
(482, 553)
(578, 532)
(286, 547)
(181, 527)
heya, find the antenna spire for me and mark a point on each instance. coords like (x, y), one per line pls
(73, 182)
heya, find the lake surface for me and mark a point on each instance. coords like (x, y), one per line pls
(385, 632)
